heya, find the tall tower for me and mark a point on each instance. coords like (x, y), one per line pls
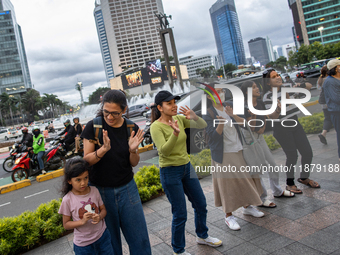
(227, 32)
(258, 49)
(131, 29)
(14, 73)
(270, 49)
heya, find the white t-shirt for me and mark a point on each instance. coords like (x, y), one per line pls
(231, 140)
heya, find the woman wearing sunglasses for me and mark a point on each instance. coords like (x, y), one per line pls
(292, 138)
(113, 176)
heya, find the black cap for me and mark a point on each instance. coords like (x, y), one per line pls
(164, 96)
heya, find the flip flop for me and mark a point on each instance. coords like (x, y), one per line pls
(310, 183)
(294, 189)
(267, 203)
(286, 193)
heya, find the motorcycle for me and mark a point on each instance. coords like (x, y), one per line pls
(63, 150)
(26, 164)
(147, 135)
(13, 154)
(50, 129)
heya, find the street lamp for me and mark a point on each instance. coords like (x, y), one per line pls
(320, 29)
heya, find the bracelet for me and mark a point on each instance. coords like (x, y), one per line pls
(95, 152)
(135, 151)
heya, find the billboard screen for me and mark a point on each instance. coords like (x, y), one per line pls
(173, 72)
(154, 68)
(132, 80)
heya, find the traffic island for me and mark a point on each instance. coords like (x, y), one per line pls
(49, 176)
(14, 186)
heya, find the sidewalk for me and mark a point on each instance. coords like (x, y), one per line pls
(306, 224)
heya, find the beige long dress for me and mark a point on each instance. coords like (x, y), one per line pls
(233, 190)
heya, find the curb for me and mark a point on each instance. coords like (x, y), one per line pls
(14, 186)
(4, 149)
(311, 103)
(48, 176)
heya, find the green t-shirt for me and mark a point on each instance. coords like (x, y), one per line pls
(172, 149)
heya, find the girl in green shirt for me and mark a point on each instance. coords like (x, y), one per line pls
(177, 175)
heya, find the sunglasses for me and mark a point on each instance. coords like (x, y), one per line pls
(267, 71)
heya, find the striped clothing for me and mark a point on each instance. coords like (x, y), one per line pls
(291, 110)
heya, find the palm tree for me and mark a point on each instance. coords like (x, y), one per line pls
(9, 102)
(79, 87)
(50, 100)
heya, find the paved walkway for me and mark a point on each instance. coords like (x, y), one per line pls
(306, 224)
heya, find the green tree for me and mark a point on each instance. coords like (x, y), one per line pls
(94, 98)
(30, 101)
(9, 104)
(227, 68)
(50, 100)
(206, 72)
(292, 59)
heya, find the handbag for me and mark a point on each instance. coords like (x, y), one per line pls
(252, 151)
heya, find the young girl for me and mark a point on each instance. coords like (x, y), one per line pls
(83, 210)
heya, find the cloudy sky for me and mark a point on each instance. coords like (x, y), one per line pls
(62, 46)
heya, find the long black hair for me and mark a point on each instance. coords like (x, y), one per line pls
(113, 96)
(244, 87)
(265, 80)
(73, 168)
(332, 71)
(155, 113)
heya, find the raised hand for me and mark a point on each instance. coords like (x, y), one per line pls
(229, 111)
(106, 141)
(174, 126)
(135, 140)
(189, 114)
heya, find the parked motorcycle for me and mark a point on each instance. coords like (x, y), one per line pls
(147, 135)
(50, 129)
(13, 153)
(27, 165)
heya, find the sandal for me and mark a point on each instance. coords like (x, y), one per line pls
(310, 183)
(294, 189)
(268, 204)
(286, 193)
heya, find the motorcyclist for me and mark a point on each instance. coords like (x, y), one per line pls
(78, 128)
(70, 134)
(38, 147)
(26, 138)
(50, 126)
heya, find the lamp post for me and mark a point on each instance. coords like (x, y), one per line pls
(320, 29)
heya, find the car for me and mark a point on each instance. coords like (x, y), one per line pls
(8, 133)
(137, 110)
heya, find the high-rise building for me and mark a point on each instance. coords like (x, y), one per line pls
(258, 49)
(279, 52)
(14, 73)
(131, 29)
(270, 49)
(227, 32)
(194, 63)
(276, 56)
(316, 20)
(104, 46)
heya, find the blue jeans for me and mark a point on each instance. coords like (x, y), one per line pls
(101, 246)
(40, 160)
(125, 212)
(177, 181)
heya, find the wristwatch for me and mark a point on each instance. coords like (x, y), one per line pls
(135, 151)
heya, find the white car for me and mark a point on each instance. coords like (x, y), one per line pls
(8, 133)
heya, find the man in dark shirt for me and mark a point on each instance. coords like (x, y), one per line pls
(70, 134)
(26, 138)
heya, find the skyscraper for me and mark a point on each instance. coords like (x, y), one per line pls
(270, 49)
(227, 32)
(14, 73)
(258, 49)
(316, 21)
(279, 51)
(131, 29)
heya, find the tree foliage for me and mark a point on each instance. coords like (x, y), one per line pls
(94, 98)
(227, 68)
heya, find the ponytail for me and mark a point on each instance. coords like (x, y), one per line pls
(155, 113)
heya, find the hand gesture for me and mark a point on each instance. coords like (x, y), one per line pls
(135, 140)
(189, 114)
(278, 106)
(87, 216)
(174, 126)
(229, 111)
(95, 218)
(221, 123)
(106, 141)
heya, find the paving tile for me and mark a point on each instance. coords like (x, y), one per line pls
(161, 249)
(147, 210)
(322, 218)
(336, 252)
(297, 248)
(325, 195)
(208, 189)
(164, 234)
(239, 213)
(271, 242)
(333, 229)
(249, 232)
(271, 221)
(153, 217)
(157, 204)
(245, 249)
(322, 241)
(202, 250)
(215, 215)
(294, 230)
(154, 240)
(159, 225)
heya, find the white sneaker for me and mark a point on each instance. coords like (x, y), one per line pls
(211, 241)
(232, 223)
(250, 210)
(43, 172)
(182, 253)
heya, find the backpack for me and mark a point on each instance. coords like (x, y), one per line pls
(98, 129)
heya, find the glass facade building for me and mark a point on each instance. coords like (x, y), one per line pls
(14, 73)
(315, 15)
(104, 46)
(258, 49)
(227, 32)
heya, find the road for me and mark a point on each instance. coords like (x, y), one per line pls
(29, 198)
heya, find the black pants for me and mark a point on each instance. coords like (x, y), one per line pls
(327, 123)
(335, 116)
(292, 140)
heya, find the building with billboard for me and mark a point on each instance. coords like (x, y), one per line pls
(316, 21)
(227, 32)
(258, 49)
(194, 63)
(14, 73)
(132, 32)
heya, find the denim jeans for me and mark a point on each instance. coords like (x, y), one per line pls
(125, 212)
(40, 160)
(102, 246)
(177, 181)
